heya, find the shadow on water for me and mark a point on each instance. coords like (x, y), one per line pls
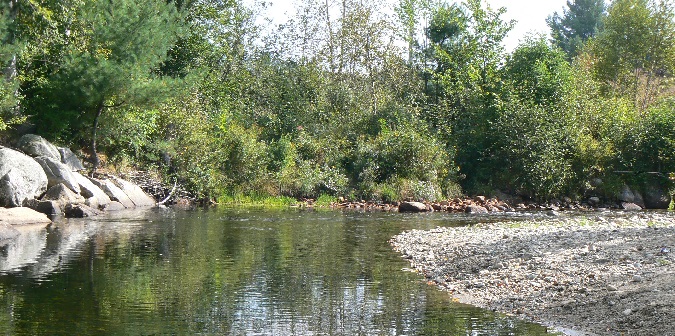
(231, 271)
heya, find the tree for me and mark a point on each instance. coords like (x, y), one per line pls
(468, 53)
(8, 83)
(111, 52)
(635, 53)
(580, 21)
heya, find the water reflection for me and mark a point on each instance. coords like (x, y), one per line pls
(232, 272)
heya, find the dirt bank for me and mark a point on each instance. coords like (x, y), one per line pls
(597, 274)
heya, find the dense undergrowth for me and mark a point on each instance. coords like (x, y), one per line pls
(312, 110)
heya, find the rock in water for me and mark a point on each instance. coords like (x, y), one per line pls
(35, 145)
(21, 178)
(134, 192)
(58, 172)
(475, 209)
(88, 189)
(23, 216)
(70, 159)
(62, 194)
(114, 192)
(412, 207)
(630, 206)
(80, 211)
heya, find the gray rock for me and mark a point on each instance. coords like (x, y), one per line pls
(70, 159)
(412, 207)
(21, 178)
(594, 201)
(475, 209)
(630, 206)
(88, 189)
(114, 192)
(63, 195)
(656, 197)
(626, 195)
(134, 192)
(57, 173)
(113, 206)
(35, 146)
(80, 211)
(49, 208)
(23, 216)
(92, 202)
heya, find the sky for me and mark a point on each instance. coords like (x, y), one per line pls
(530, 15)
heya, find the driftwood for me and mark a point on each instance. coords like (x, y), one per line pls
(173, 190)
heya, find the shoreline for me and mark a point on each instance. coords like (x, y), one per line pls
(590, 275)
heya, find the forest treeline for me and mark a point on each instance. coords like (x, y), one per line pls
(344, 99)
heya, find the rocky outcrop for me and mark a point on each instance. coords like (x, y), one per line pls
(70, 159)
(114, 192)
(22, 216)
(35, 146)
(58, 173)
(21, 178)
(134, 192)
(89, 190)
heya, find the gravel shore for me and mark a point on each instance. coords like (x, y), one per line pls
(595, 275)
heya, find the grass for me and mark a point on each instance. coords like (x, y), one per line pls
(256, 200)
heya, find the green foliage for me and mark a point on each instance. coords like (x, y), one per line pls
(537, 73)
(106, 62)
(635, 53)
(582, 20)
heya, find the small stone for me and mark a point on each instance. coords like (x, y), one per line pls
(637, 278)
(612, 288)
(627, 312)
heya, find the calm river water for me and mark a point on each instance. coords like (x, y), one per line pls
(230, 272)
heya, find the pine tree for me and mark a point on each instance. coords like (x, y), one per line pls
(580, 21)
(113, 50)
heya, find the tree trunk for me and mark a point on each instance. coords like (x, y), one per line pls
(10, 71)
(94, 155)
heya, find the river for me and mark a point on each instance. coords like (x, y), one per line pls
(231, 272)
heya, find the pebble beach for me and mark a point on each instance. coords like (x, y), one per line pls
(583, 275)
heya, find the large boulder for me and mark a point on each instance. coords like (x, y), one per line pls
(135, 193)
(23, 216)
(63, 195)
(21, 178)
(412, 207)
(626, 195)
(656, 197)
(70, 159)
(89, 190)
(114, 192)
(58, 172)
(35, 145)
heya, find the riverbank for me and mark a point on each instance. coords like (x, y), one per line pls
(595, 274)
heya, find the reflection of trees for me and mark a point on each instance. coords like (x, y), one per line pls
(282, 273)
